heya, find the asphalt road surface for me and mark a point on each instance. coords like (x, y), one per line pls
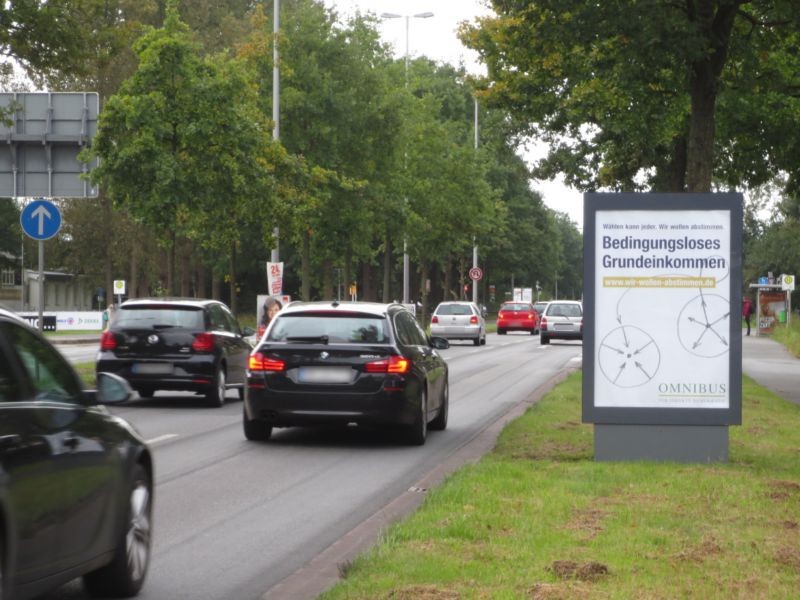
(233, 518)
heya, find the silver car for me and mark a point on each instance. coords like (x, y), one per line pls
(562, 319)
(459, 321)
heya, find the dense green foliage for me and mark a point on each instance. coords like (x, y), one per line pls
(369, 155)
(660, 95)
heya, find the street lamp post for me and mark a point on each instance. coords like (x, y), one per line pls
(422, 15)
(276, 110)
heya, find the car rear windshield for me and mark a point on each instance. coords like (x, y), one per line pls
(517, 307)
(158, 316)
(539, 306)
(564, 310)
(454, 309)
(330, 328)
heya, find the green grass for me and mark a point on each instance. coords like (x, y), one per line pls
(75, 332)
(789, 335)
(538, 518)
(87, 373)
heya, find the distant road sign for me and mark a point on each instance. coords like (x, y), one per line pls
(119, 287)
(475, 274)
(40, 220)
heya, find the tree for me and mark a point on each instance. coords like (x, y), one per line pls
(182, 145)
(625, 90)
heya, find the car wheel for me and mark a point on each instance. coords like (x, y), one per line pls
(544, 340)
(419, 430)
(216, 395)
(440, 422)
(241, 393)
(145, 392)
(534, 331)
(501, 332)
(476, 341)
(255, 430)
(124, 575)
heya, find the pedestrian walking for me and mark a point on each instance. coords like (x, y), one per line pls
(108, 315)
(747, 311)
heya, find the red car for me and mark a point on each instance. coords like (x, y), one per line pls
(517, 316)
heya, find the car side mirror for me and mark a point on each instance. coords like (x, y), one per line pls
(248, 331)
(112, 389)
(439, 343)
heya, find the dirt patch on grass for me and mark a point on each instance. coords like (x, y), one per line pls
(785, 486)
(708, 548)
(789, 556)
(790, 525)
(423, 592)
(588, 571)
(588, 521)
(557, 591)
(550, 450)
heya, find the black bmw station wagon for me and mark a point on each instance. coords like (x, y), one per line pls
(349, 362)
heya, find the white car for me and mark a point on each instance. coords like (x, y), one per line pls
(459, 321)
(562, 319)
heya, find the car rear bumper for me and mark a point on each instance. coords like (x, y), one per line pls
(286, 409)
(456, 333)
(189, 375)
(562, 334)
(516, 325)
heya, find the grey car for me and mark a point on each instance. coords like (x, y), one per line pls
(562, 319)
(459, 321)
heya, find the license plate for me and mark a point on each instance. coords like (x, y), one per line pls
(565, 327)
(325, 375)
(152, 368)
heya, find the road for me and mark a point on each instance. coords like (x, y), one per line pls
(233, 518)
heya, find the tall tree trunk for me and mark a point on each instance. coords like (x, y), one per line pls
(305, 291)
(134, 268)
(348, 270)
(216, 284)
(328, 283)
(704, 74)
(448, 279)
(202, 279)
(233, 305)
(184, 250)
(368, 283)
(171, 265)
(387, 269)
(422, 315)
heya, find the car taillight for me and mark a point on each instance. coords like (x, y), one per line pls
(473, 320)
(108, 341)
(531, 316)
(260, 363)
(392, 364)
(543, 323)
(434, 319)
(581, 324)
(501, 315)
(203, 342)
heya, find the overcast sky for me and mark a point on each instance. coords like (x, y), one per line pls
(435, 37)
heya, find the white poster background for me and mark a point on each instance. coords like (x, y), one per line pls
(662, 334)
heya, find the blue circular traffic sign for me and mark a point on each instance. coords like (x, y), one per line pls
(40, 220)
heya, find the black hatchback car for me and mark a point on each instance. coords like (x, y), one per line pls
(76, 483)
(350, 362)
(176, 344)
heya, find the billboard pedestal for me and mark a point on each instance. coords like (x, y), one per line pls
(677, 443)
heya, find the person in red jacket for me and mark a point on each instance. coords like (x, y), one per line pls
(747, 310)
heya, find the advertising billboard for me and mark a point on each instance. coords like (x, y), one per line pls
(663, 335)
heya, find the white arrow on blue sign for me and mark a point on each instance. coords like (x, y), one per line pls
(40, 220)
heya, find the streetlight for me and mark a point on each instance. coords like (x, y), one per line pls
(422, 15)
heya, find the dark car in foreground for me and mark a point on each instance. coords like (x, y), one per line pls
(351, 362)
(517, 316)
(76, 483)
(562, 319)
(176, 344)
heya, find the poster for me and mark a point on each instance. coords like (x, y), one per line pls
(662, 309)
(261, 299)
(770, 305)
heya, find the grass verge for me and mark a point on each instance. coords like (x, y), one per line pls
(86, 372)
(789, 335)
(539, 519)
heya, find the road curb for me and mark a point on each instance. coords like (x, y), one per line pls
(324, 570)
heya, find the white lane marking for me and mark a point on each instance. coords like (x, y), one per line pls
(162, 438)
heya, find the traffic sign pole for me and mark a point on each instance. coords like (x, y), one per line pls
(474, 266)
(41, 285)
